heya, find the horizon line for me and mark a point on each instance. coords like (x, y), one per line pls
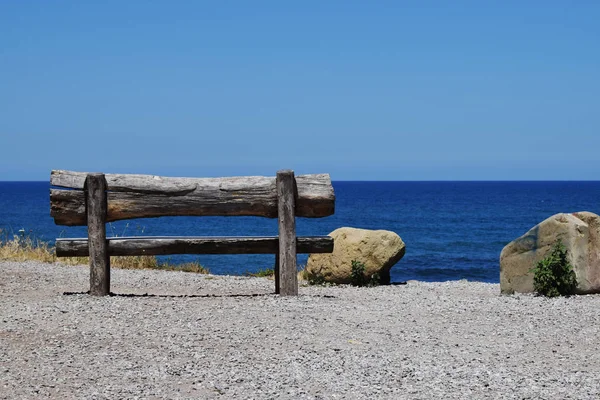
(384, 180)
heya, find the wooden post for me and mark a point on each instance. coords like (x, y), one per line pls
(287, 285)
(96, 206)
(277, 280)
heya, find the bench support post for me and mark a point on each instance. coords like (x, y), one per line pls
(96, 208)
(286, 282)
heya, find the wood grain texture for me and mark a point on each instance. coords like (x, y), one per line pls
(288, 274)
(276, 272)
(97, 248)
(165, 245)
(144, 196)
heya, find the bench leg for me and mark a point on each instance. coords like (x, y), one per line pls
(276, 269)
(95, 185)
(287, 284)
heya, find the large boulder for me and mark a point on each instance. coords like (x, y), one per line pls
(579, 232)
(379, 250)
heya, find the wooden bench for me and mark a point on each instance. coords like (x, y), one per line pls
(93, 199)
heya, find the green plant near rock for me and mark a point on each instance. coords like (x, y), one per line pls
(358, 277)
(262, 273)
(313, 279)
(554, 276)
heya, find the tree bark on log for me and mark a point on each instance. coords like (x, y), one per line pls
(143, 196)
(288, 274)
(97, 247)
(165, 245)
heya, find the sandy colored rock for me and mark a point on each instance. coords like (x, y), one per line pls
(579, 232)
(379, 250)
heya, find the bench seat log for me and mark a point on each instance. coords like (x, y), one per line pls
(167, 245)
(144, 196)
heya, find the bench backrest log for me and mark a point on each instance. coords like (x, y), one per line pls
(93, 199)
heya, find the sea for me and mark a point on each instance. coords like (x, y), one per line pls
(452, 230)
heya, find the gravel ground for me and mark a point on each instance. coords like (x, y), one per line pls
(180, 335)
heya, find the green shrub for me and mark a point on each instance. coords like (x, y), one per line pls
(317, 280)
(313, 279)
(554, 276)
(358, 277)
(262, 273)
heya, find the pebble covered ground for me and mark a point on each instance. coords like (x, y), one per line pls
(171, 335)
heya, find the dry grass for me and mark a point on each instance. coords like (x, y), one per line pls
(25, 248)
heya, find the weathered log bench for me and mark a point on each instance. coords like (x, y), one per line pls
(93, 199)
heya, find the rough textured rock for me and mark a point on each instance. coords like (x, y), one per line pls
(579, 232)
(379, 250)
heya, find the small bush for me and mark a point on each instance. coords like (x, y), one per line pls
(193, 266)
(262, 273)
(312, 278)
(358, 277)
(554, 276)
(318, 280)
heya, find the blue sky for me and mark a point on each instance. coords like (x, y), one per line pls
(364, 90)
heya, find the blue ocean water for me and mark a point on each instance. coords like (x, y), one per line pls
(452, 230)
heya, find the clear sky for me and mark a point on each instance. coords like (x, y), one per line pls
(364, 90)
